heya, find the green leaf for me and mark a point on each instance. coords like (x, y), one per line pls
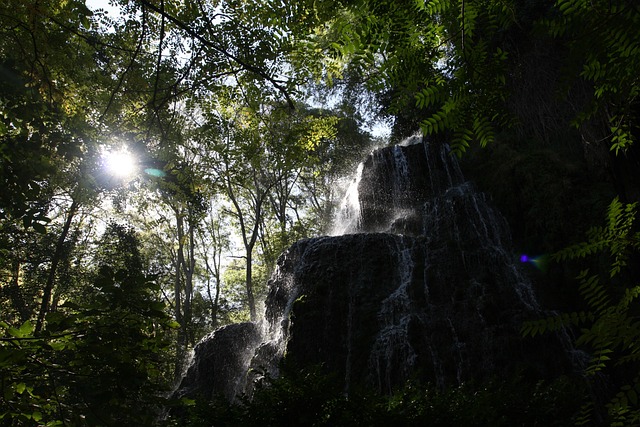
(39, 228)
(12, 356)
(173, 324)
(21, 387)
(57, 345)
(188, 402)
(24, 331)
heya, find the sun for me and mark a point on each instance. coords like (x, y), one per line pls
(120, 163)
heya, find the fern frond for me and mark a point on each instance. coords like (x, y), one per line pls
(630, 294)
(483, 130)
(461, 139)
(593, 292)
(555, 323)
(582, 249)
(585, 415)
(614, 333)
(599, 361)
(615, 237)
(437, 6)
(623, 407)
(440, 120)
(428, 96)
(621, 218)
(614, 213)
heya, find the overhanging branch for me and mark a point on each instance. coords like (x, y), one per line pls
(245, 65)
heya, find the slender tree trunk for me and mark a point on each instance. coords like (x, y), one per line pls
(181, 342)
(15, 293)
(55, 260)
(212, 265)
(188, 266)
(249, 243)
(249, 285)
(185, 267)
(213, 299)
(216, 303)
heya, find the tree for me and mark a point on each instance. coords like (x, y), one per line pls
(468, 65)
(248, 195)
(42, 96)
(69, 374)
(213, 244)
(292, 141)
(264, 157)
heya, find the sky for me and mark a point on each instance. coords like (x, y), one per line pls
(102, 4)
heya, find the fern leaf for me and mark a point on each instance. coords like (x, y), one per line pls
(555, 323)
(428, 96)
(437, 6)
(585, 415)
(599, 361)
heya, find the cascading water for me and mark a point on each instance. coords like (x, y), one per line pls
(391, 349)
(348, 216)
(420, 284)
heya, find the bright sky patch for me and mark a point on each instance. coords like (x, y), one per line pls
(120, 163)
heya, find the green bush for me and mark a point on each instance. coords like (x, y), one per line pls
(310, 398)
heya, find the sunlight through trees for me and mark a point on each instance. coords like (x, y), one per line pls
(115, 260)
(120, 163)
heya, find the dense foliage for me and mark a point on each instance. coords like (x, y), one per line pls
(609, 327)
(243, 116)
(98, 362)
(313, 399)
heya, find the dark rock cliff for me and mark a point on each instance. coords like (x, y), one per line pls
(422, 286)
(220, 362)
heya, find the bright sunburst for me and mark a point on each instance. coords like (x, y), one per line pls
(120, 163)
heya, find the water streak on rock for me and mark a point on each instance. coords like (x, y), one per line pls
(421, 284)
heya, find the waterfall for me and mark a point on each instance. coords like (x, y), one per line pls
(274, 326)
(407, 194)
(347, 218)
(391, 349)
(416, 281)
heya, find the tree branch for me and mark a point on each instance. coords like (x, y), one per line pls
(245, 65)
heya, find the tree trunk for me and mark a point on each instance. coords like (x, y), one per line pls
(249, 285)
(55, 260)
(15, 293)
(181, 341)
(249, 243)
(185, 267)
(214, 300)
(188, 266)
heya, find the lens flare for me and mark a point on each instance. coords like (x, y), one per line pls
(539, 262)
(158, 173)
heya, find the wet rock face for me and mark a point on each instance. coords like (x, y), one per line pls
(334, 305)
(422, 286)
(408, 308)
(396, 181)
(220, 363)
